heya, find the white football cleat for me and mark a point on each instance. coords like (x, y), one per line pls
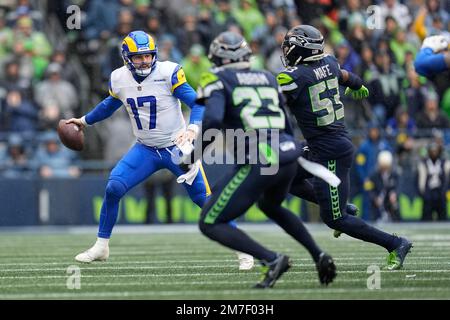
(96, 253)
(246, 261)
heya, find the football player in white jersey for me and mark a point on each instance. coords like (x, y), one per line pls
(151, 91)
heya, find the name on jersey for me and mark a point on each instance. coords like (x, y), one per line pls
(252, 78)
(322, 72)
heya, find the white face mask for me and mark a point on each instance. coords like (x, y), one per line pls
(143, 72)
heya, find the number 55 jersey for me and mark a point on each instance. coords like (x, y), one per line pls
(154, 112)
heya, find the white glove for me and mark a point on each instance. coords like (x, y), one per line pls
(190, 176)
(436, 43)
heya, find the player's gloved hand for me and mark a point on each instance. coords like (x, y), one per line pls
(359, 94)
(80, 122)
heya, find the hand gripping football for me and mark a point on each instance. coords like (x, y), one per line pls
(71, 135)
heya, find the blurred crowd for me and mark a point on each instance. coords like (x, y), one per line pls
(40, 70)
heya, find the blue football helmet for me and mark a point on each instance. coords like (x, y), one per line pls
(135, 43)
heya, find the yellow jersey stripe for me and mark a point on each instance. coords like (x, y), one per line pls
(205, 180)
(181, 78)
(113, 95)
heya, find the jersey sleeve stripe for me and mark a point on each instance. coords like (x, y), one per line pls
(178, 78)
(207, 78)
(113, 95)
(289, 87)
(284, 79)
(209, 89)
(111, 92)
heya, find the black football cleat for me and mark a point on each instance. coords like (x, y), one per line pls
(396, 257)
(326, 269)
(272, 271)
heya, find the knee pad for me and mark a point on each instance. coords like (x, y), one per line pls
(115, 188)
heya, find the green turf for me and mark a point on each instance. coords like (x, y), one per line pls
(189, 266)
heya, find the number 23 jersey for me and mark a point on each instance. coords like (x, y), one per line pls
(154, 112)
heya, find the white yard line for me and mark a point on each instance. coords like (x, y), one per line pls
(165, 262)
(188, 282)
(208, 274)
(298, 293)
(102, 266)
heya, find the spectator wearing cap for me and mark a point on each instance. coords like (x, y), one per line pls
(16, 165)
(58, 91)
(347, 57)
(24, 8)
(195, 64)
(68, 71)
(167, 49)
(22, 115)
(35, 43)
(432, 183)
(432, 117)
(382, 188)
(53, 161)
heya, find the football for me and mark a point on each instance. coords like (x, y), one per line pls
(71, 135)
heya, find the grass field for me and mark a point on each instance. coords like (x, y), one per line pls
(179, 263)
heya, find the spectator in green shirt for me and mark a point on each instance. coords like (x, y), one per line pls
(249, 17)
(195, 64)
(400, 47)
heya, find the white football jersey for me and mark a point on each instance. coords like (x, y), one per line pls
(154, 112)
